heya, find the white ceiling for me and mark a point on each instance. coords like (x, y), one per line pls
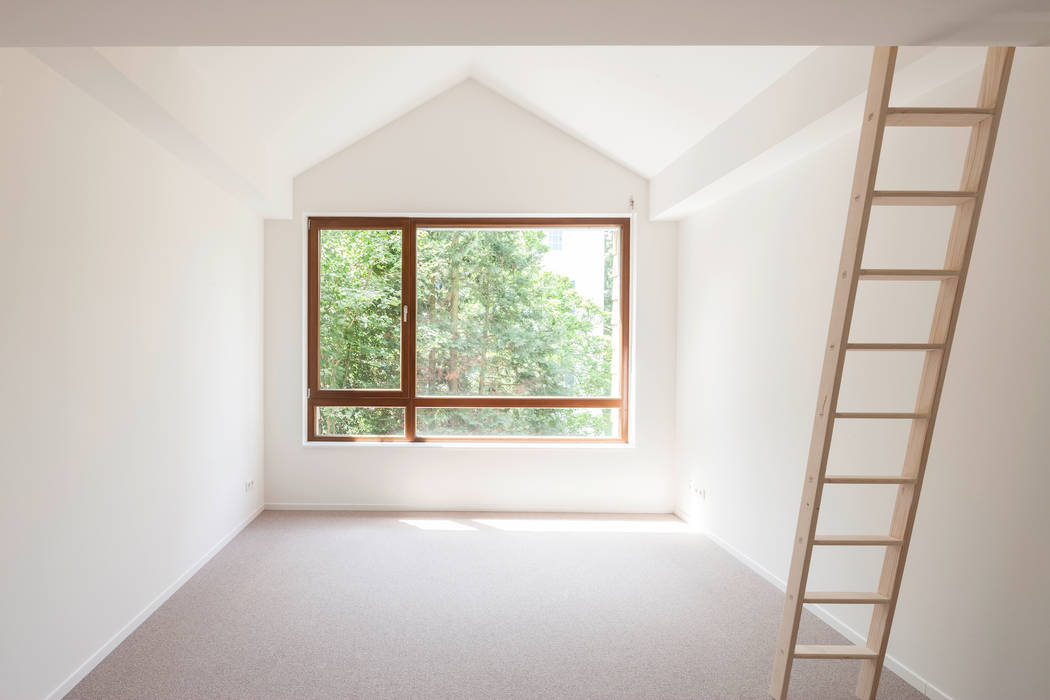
(641, 106)
(515, 23)
(252, 118)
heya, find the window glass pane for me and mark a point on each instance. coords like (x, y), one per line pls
(518, 422)
(359, 310)
(361, 420)
(518, 311)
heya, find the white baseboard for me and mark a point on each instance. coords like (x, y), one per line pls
(380, 507)
(93, 660)
(913, 679)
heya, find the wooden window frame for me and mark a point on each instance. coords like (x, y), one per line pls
(406, 396)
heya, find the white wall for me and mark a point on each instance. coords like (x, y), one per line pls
(471, 151)
(131, 416)
(756, 275)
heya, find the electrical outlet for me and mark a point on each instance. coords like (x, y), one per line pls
(248, 485)
(697, 491)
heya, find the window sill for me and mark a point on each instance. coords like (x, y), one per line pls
(470, 446)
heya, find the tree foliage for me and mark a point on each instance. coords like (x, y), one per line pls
(491, 321)
(359, 310)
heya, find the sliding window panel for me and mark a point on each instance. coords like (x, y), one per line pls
(529, 310)
(359, 312)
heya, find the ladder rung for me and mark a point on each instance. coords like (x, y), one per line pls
(882, 414)
(858, 540)
(907, 274)
(919, 198)
(836, 597)
(833, 651)
(936, 116)
(867, 479)
(894, 346)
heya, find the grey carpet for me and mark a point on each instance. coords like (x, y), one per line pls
(341, 605)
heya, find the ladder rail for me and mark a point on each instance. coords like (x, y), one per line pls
(961, 240)
(861, 197)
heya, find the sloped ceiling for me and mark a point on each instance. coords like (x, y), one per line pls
(642, 106)
(257, 116)
(686, 118)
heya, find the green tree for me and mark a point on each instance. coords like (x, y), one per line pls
(360, 309)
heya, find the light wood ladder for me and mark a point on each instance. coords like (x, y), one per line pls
(983, 120)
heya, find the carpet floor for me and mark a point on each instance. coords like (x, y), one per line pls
(309, 605)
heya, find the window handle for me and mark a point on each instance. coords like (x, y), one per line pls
(404, 313)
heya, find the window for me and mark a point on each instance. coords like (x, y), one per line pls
(468, 329)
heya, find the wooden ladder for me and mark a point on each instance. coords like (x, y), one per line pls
(983, 121)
